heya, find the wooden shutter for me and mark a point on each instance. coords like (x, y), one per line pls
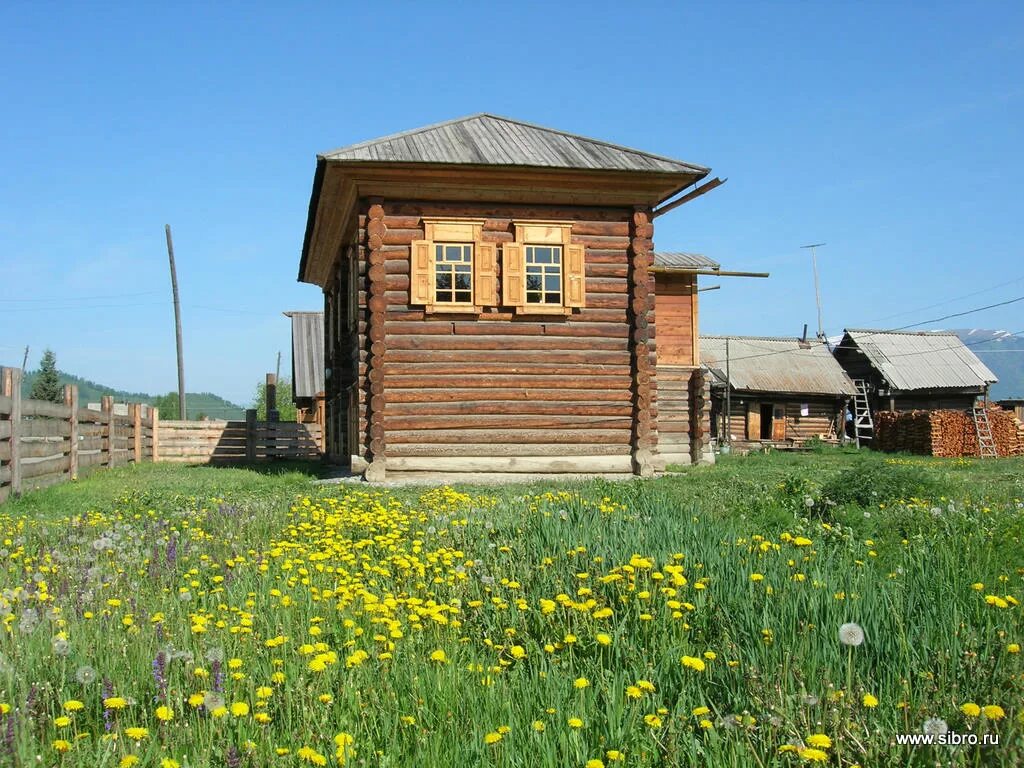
(575, 279)
(485, 275)
(513, 275)
(421, 272)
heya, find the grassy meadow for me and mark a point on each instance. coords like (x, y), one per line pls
(773, 610)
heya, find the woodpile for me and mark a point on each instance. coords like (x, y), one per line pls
(946, 433)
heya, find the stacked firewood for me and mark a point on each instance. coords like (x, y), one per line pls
(945, 432)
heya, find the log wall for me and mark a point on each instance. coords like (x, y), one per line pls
(515, 393)
(746, 420)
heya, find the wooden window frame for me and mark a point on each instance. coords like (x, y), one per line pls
(483, 262)
(457, 305)
(547, 233)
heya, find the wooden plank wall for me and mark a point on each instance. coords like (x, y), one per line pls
(44, 443)
(513, 393)
(684, 415)
(227, 442)
(675, 307)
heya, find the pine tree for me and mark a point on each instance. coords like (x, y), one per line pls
(47, 383)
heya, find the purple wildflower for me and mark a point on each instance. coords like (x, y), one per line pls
(234, 760)
(218, 676)
(108, 716)
(172, 551)
(160, 674)
(9, 733)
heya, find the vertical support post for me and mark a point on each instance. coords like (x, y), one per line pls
(135, 411)
(250, 435)
(12, 389)
(320, 404)
(643, 439)
(377, 304)
(156, 434)
(728, 396)
(109, 430)
(272, 413)
(71, 400)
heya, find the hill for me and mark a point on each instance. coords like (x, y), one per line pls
(212, 405)
(1003, 353)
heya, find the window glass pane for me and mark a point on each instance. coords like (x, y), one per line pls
(552, 298)
(533, 298)
(453, 252)
(556, 255)
(533, 282)
(444, 280)
(552, 282)
(463, 296)
(439, 252)
(462, 281)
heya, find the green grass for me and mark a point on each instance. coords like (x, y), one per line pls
(448, 619)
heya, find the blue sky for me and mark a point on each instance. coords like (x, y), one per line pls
(890, 131)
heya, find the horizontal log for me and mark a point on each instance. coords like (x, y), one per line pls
(38, 467)
(497, 343)
(518, 436)
(87, 415)
(45, 481)
(5, 474)
(44, 409)
(5, 430)
(585, 464)
(478, 421)
(210, 424)
(41, 450)
(45, 428)
(91, 459)
(482, 210)
(504, 369)
(550, 357)
(5, 450)
(502, 449)
(5, 405)
(557, 381)
(420, 395)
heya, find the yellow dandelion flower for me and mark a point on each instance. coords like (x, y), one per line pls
(652, 721)
(136, 733)
(614, 755)
(813, 755)
(114, 702)
(61, 745)
(580, 683)
(164, 714)
(993, 712)
(869, 701)
(1013, 648)
(699, 711)
(73, 705)
(595, 763)
(694, 663)
(575, 722)
(538, 726)
(128, 761)
(970, 709)
(439, 656)
(603, 639)
(819, 740)
(492, 738)
(707, 725)
(239, 709)
(62, 722)
(169, 762)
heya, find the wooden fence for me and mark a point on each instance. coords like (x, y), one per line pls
(226, 442)
(44, 443)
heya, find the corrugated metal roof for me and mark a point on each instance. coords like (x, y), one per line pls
(911, 360)
(770, 364)
(486, 139)
(681, 260)
(307, 353)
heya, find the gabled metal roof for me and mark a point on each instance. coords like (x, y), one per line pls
(681, 260)
(910, 360)
(307, 353)
(486, 139)
(777, 365)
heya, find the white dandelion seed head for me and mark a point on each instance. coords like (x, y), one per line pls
(851, 634)
(214, 653)
(808, 502)
(810, 700)
(212, 701)
(86, 675)
(61, 647)
(935, 726)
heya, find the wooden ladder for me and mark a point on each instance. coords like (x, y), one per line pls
(863, 426)
(983, 429)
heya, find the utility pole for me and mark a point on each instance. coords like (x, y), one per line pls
(278, 365)
(24, 360)
(177, 325)
(817, 286)
(728, 397)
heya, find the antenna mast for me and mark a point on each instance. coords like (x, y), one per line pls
(817, 287)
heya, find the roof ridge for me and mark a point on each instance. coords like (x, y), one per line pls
(751, 338)
(879, 332)
(491, 115)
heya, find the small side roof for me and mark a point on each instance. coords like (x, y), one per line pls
(776, 365)
(307, 353)
(910, 360)
(682, 260)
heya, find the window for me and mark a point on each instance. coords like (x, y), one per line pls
(544, 274)
(543, 270)
(453, 273)
(453, 269)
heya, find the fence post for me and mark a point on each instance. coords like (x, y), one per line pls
(250, 435)
(155, 414)
(12, 389)
(71, 400)
(135, 411)
(107, 407)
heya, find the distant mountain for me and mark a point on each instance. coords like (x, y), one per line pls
(212, 405)
(1003, 353)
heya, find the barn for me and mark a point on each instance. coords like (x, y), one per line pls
(774, 390)
(914, 370)
(489, 303)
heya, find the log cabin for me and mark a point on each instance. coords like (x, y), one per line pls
(781, 390)
(914, 370)
(489, 304)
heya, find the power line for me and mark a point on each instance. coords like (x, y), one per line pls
(956, 298)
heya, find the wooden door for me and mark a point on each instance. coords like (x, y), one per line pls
(779, 422)
(753, 421)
